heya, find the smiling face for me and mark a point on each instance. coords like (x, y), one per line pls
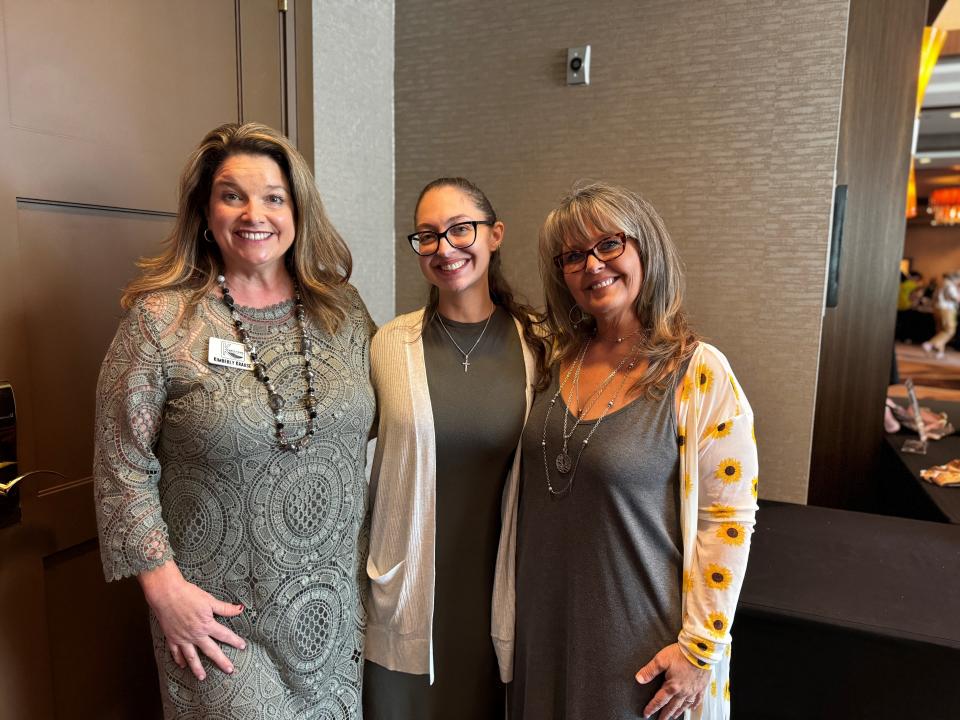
(607, 290)
(456, 270)
(251, 214)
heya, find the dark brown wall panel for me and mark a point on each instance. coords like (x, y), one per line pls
(876, 125)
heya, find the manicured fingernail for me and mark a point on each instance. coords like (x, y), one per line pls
(202, 678)
(230, 670)
(241, 606)
(243, 646)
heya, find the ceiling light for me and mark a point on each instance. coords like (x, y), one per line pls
(955, 115)
(924, 160)
(944, 205)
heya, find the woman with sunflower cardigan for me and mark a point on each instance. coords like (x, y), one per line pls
(636, 505)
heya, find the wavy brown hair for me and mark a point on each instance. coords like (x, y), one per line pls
(500, 291)
(667, 341)
(318, 260)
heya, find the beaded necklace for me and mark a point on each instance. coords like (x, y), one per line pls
(274, 399)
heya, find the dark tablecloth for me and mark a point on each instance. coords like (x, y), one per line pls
(848, 615)
(874, 573)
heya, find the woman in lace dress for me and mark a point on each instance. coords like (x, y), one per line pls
(233, 409)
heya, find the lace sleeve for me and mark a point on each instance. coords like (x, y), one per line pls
(131, 394)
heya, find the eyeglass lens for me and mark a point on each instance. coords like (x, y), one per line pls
(609, 248)
(460, 235)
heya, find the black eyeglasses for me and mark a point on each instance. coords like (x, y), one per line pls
(460, 235)
(610, 248)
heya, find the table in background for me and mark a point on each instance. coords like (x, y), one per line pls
(848, 615)
(903, 467)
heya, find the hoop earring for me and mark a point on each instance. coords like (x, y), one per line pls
(581, 315)
(206, 236)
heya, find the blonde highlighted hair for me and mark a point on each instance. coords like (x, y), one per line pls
(668, 341)
(318, 260)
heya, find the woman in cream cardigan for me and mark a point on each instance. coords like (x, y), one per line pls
(454, 383)
(638, 485)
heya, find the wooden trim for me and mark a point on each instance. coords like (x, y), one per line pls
(239, 44)
(90, 206)
(287, 127)
(300, 17)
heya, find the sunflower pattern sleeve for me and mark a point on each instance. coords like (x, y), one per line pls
(130, 398)
(723, 476)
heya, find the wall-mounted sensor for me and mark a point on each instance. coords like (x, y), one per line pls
(578, 65)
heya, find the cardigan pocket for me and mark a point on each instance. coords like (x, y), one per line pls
(385, 591)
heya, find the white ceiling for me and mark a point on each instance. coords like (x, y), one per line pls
(938, 140)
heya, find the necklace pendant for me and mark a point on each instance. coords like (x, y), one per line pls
(466, 355)
(564, 462)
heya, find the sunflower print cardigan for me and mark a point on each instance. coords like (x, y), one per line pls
(718, 470)
(718, 502)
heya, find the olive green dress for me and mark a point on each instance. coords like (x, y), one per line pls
(478, 418)
(187, 467)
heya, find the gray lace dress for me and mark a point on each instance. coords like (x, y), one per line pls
(186, 467)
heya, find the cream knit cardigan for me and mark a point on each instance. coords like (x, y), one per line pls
(400, 566)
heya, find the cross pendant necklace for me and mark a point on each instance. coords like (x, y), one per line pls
(466, 355)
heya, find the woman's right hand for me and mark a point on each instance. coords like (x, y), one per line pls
(186, 614)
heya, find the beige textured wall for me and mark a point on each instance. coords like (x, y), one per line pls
(353, 62)
(723, 114)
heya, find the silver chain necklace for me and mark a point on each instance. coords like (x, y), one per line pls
(466, 355)
(621, 338)
(564, 463)
(592, 398)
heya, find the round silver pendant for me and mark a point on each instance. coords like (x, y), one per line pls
(564, 463)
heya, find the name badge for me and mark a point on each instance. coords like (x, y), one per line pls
(229, 354)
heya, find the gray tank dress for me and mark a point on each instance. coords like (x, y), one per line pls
(186, 467)
(599, 569)
(478, 417)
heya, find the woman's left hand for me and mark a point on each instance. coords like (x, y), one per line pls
(683, 685)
